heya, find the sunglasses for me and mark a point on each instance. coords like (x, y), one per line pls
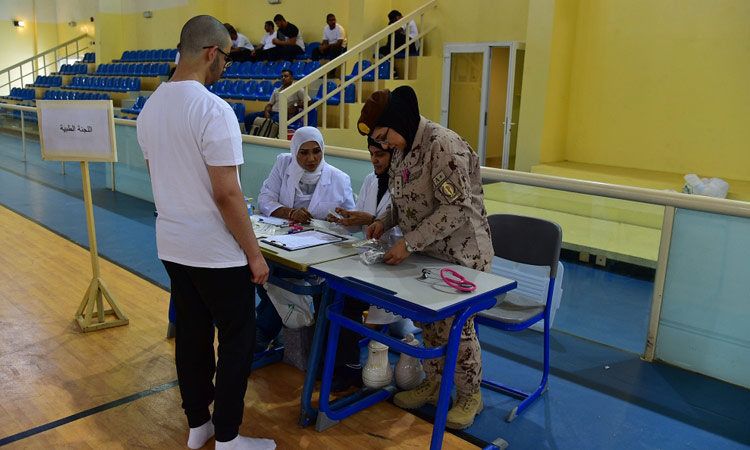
(227, 59)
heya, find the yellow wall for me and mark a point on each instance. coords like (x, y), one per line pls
(661, 85)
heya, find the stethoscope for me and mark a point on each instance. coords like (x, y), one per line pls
(452, 279)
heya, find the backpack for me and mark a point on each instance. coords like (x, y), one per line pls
(264, 127)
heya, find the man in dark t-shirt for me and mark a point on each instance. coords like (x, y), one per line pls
(288, 40)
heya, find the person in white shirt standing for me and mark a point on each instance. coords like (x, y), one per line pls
(192, 146)
(242, 48)
(334, 40)
(266, 43)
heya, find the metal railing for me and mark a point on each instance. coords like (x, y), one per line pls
(358, 53)
(19, 74)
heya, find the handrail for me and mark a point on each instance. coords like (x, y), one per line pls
(636, 194)
(34, 60)
(643, 195)
(339, 62)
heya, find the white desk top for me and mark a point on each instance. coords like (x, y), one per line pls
(404, 281)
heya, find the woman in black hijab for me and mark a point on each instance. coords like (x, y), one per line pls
(438, 202)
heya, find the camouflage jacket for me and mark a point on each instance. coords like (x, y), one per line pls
(437, 198)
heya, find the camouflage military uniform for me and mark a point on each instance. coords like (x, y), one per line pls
(438, 201)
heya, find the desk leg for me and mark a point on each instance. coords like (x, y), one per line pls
(307, 413)
(446, 384)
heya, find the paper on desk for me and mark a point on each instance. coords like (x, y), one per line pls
(272, 221)
(302, 239)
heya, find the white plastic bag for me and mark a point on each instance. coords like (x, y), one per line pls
(295, 309)
(714, 187)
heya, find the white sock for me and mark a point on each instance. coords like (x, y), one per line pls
(246, 443)
(200, 435)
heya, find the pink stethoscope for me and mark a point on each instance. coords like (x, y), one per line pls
(453, 279)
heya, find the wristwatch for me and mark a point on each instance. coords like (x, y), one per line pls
(408, 247)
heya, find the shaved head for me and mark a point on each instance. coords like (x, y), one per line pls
(202, 31)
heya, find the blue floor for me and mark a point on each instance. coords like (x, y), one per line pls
(599, 397)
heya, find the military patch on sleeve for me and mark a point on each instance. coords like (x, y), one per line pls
(449, 191)
(438, 178)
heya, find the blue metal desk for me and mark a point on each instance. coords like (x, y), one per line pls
(403, 290)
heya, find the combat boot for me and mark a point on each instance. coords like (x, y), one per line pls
(426, 392)
(462, 414)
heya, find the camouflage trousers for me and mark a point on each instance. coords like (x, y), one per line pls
(468, 374)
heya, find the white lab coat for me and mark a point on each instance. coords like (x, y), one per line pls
(368, 198)
(334, 189)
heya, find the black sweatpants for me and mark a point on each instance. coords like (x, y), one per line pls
(203, 298)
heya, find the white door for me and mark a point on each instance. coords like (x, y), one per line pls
(480, 97)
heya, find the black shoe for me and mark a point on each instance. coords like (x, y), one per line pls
(345, 377)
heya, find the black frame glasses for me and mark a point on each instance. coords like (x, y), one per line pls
(227, 59)
(384, 144)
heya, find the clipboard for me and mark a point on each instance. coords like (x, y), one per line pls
(302, 240)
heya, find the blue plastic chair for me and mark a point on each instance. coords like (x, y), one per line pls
(309, 49)
(535, 242)
(249, 90)
(335, 100)
(257, 69)
(384, 71)
(232, 72)
(298, 69)
(283, 65)
(239, 111)
(236, 89)
(355, 71)
(268, 69)
(311, 67)
(350, 94)
(264, 91)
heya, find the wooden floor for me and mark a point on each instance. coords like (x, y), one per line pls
(54, 376)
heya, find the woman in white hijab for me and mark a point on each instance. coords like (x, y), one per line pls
(302, 186)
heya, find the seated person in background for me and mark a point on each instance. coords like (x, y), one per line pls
(241, 46)
(294, 104)
(266, 43)
(400, 35)
(334, 40)
(302, 186)
(288, 40)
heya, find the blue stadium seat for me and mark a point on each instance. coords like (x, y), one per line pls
(109, 84)
(264, 91)
(384, 70)
(283, 65)
(350, 93)
(239, 111)
(134, 84)
(370, 76)
(232, 72)
(335, 100)
(173, 54)
(311, 67)
(309, 49)
(257, 69)
(298, 69)
(221, 88)
(236, 88)
(267, 73)
(163, 69)
(249, 90)
(244, 69)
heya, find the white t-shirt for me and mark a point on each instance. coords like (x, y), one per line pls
(333, 36)
(266, 41)
(242, 41)
(182, 130)
(412, 32)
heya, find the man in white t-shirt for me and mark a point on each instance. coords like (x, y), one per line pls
(334, 40)
(242, 48)
(204, 237)
(266, 43)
